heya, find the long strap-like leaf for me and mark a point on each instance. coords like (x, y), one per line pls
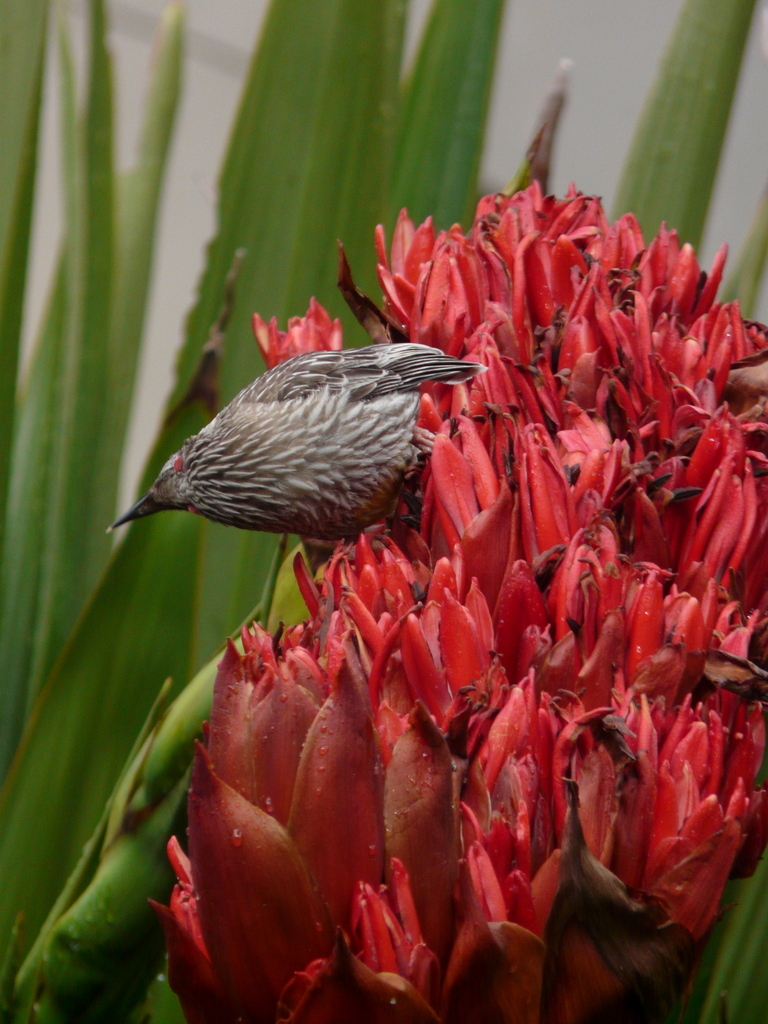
(22, 48)
(671, 165)
(444, 103)
(73, 552)
(288, 190)
(32, 491)
(31, 461)
(747, 276)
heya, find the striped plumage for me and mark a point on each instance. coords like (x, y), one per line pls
(316, 446)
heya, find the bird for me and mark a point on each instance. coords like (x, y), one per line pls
(318, 445)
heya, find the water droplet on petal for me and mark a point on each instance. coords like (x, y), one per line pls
(237, 836)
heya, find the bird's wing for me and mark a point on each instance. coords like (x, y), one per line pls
(365, 372)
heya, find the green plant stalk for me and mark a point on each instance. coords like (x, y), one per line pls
(747, 276)
(8, 972)
(103, 952)
(112, 863)
(101, 920)
(170, 753)
(670, 169)
(26, 980)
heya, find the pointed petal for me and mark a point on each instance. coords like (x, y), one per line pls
(495, 971)
(606, 953)
(458, 644)
(597, 797)
(347, 990)
(427, 682)
(635, 819)
(485, 544)
(659, 675)
(280, 721)
(597, 673)
(421, 821)
(191, 976)
(337, 811)
(260, 914)
(230, 732)
(692, 889)
(518, 606)
(544, 889)
(453, 484)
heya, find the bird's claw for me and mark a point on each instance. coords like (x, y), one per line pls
(424, 440)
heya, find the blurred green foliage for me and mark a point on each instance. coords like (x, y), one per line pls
(88, 635)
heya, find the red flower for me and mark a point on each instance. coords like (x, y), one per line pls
(493, 776)
(315, 332)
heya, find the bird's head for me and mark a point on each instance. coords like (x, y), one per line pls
(170, 490)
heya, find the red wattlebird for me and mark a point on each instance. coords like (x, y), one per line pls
(316, 446)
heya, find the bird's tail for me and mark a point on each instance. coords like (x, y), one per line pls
(455, 371)
(415, 364)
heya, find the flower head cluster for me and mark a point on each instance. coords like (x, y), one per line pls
(491, 776)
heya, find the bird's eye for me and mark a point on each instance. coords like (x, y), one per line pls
(178, 463)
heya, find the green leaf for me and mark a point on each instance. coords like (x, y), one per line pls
(444, 103)
(22, 35)
(9, 970)
(332, 127)
(94, 703)
(74, 550)
(85, 974)
(22, 49)
(104, 951)
(738, 968)
(31, 462)
(287, 605)
(311, 170)
(163, 1004)
(305, 165)
(137, 202)
(138, 195)
(672, 162)
(746, 278)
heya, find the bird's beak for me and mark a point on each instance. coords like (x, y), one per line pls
(143, 507)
